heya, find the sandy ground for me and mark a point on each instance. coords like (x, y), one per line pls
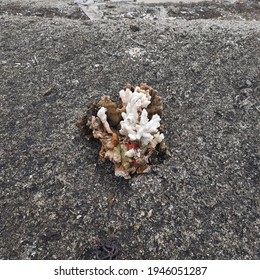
(169, 1)
(58, 201)
(116, 10)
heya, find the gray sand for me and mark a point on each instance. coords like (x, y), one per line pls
(58, 201)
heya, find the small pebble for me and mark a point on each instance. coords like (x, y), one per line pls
(248, 83)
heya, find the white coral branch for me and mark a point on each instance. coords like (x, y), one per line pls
(136, 125)
(103, 117)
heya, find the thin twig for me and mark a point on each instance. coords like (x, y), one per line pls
(49, 90)
(137, 43)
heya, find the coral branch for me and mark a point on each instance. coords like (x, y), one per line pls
(103, 117)
(129, 132)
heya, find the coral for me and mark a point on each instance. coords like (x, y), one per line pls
(130, 131)
(113, 113)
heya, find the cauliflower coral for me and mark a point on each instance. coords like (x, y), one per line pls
(130, 131)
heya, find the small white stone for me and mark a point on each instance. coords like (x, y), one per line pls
(149, 214)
